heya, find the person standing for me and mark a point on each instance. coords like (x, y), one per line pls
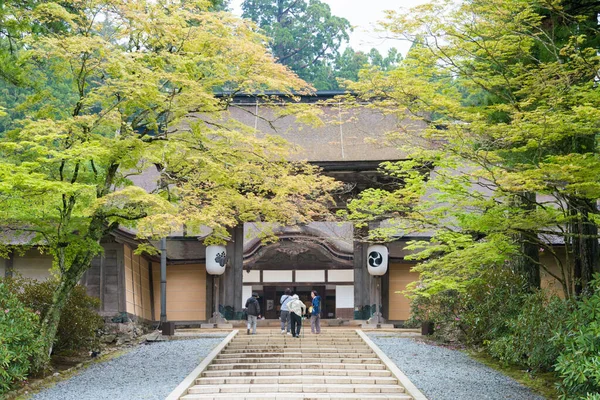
(315, 315)
(297, 310)
(253, 311)
(285, 312)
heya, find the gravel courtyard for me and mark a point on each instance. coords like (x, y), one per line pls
(147, 372)
(444, 374)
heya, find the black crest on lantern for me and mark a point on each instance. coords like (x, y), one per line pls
(220, 259)
(375, 259)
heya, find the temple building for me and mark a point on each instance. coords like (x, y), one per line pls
(323, 256)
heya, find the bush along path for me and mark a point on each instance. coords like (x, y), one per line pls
(445, 374)
(148, 372)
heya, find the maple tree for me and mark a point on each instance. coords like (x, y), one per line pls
(99, 91)
(506, 94)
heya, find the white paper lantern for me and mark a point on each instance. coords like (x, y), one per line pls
(377, 259)
(216, 256)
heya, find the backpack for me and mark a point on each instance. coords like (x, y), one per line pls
(253, 307)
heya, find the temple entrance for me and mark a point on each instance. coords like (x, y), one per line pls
(336, 300)
(314, 257)
(272, 296)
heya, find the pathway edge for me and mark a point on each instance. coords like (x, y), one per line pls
(182, 388)
(410, 388)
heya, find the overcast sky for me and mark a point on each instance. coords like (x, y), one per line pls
(363, 15)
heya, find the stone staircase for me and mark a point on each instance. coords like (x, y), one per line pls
(337, 364)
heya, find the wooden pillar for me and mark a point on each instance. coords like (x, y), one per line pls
(210, 294)
(232, 280)
(163, 279)
(362, 279)
(385, 294)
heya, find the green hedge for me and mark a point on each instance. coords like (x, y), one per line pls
(20, 342)
(79, 322)
(528, 340)
(579, 363)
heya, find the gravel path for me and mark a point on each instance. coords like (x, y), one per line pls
(444, 374)
(147, 372)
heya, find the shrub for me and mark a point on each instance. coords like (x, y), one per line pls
(579, 363)
(489, 303)
(443, 309)
(528, 341)
(477, 314)
(20, 342)
(79, 321)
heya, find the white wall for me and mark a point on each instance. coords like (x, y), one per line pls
(251, 276)
(310, 276)
(277, 276)
(246, 293)
(340, 275)
(344, 296)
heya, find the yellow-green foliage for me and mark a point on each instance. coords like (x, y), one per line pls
(106, 90)
(499, 100)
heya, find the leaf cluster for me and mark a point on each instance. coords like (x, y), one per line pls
(501, 102)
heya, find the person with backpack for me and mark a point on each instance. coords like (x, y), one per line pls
(297, 310)
(253, 310)
(315, 315)
(285, 312)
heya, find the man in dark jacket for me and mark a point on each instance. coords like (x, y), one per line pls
(253, 311)
(315, 315)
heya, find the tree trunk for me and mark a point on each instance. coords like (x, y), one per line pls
(527, 263)
(584, 242)
(67, 283)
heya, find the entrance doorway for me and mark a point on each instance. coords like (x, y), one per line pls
(337, 299)
(272, 296)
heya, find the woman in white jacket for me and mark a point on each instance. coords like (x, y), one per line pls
(297, 310)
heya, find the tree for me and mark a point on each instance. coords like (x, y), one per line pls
(126, 86)
(220, 5)
(304, 35)
(349, 64)
(508, 98)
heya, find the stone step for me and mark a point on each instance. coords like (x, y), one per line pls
(303, 354)
(297, 346)
(324, 332)
(306, 336)
(269, 365)
(295, 342)
(303, 350)
(301, 379)
(213, 367)
(297, 372)
(338, 333)
(294, 360)
(300, 340)
(295, 388)
(304, 332)
(256, 338)
(298, 396)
